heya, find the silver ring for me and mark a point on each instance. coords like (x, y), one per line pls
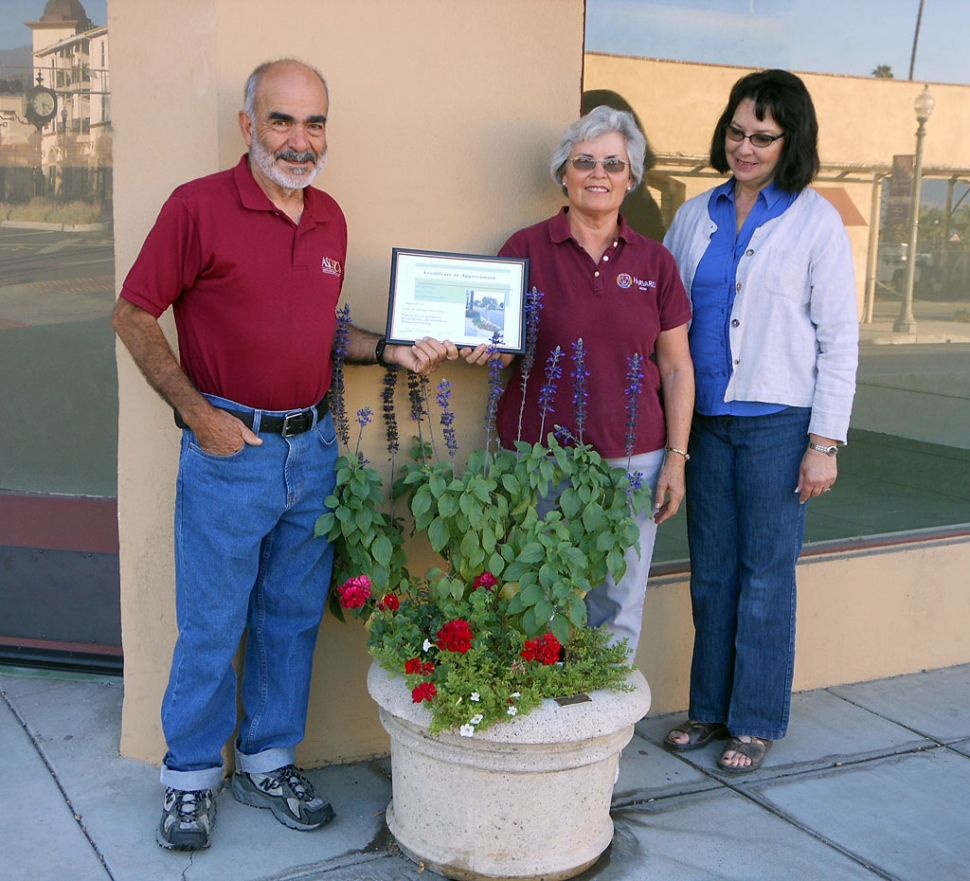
(827, 489)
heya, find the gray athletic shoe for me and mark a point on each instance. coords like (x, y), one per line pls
(187, 819)
(287, 793)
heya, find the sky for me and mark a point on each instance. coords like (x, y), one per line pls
(812, 36)
(13, 14)
(818, 36)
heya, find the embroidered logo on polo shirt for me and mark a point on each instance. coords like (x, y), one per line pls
(625, 281)
(331, 266)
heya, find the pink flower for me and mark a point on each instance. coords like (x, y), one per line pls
(389, 601)
(455, 636)
(354, 592)
(486, 580)
(424, 692)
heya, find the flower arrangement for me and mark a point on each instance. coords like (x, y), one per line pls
(523, 534)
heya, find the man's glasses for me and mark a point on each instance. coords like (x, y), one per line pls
(588, 163)
(758, 139)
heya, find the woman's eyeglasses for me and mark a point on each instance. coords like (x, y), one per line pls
(758, 139)
(588, 163)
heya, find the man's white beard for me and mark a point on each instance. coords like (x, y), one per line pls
(289, 180)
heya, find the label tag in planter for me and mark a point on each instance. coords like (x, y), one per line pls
(575, 699)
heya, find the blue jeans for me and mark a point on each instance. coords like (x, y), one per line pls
(246, 561)
(745, 528)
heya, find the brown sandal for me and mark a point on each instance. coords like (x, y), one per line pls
(698, 734)
(755, 749)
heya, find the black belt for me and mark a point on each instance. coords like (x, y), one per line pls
(293, 423)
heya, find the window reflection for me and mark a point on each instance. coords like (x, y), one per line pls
(907, 465)
(58, 397)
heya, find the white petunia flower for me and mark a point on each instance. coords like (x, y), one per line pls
(476, 696)
(427, 645)
(512, 711)
(467, 731)
(476, 719)
(516, 694)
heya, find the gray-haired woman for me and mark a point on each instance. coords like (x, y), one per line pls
(621, 294)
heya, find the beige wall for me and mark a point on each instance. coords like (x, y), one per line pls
(864, 615)
(442, 116)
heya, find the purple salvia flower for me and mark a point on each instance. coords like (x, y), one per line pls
(580, 388)
(634, 384)
(533, 305)
(364, 416)
(494, 389)
(547, 394)
(390, 415)
(443, 399)
(337, 405)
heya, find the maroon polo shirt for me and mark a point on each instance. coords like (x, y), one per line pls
(254, 294)
(618, 307)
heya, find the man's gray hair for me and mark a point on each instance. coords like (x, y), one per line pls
(252, 84)
(602, 120)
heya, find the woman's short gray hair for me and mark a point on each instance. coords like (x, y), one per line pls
(602, 120)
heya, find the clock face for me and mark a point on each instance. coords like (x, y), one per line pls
(42, 103)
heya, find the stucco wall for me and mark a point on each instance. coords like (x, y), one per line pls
(442, 115)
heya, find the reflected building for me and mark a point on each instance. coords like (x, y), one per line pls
(56, 134)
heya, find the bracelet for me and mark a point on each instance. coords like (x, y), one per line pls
(379, 351)
(679, 453)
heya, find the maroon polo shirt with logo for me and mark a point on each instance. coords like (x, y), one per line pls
(618, 307)
(254, 294)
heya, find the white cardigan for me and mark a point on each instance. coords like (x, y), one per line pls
(794, 328)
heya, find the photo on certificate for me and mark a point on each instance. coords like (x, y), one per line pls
(463, 298)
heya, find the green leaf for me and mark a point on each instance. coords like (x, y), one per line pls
(382, 550)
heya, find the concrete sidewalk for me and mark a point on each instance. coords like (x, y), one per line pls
(873, 781)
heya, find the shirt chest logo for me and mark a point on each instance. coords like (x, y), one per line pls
(331, 267)
(626, 281)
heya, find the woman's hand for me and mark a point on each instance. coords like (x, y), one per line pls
(483, 353)
(817, 472)
(670, 488)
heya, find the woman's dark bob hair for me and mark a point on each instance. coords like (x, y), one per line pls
(783, 95)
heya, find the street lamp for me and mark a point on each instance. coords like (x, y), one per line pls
(906, 322)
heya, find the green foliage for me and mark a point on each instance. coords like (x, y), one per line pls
(486, 521)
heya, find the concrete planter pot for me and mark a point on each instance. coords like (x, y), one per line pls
(524, 800)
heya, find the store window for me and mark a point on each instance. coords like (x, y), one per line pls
(890, 83)
(58, 384)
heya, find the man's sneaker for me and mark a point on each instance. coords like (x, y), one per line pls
(187, 819)
(287, 793)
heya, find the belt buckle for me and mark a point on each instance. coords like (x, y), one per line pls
(296, 423)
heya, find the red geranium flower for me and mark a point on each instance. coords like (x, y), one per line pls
(486, 580)
(415, 665)
(544, 648)
(424, 692)
(389, 601)
(455, 636)
(354, 592)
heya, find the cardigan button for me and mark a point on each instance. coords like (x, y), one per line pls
(739, 286)
(748, 253)
(735, 322)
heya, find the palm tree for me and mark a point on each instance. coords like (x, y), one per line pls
(883, 72)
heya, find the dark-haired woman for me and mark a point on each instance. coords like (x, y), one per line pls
(774, 338)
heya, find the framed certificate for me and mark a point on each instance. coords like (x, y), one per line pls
(458, 297)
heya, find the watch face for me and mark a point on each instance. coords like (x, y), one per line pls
(42, 103)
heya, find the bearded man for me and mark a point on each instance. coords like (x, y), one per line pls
(251, 261)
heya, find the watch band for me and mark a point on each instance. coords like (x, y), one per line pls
(379, 350)
(829, 451)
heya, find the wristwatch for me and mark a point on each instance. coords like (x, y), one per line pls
(379, 350)
(829, 451)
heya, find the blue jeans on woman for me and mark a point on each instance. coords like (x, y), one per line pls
(745, 528)
(246, 561)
